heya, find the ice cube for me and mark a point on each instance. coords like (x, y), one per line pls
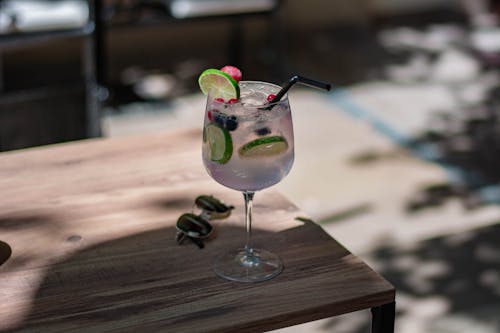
(254, 98)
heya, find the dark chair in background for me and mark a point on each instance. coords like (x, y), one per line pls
(44, 109)
(49, 111)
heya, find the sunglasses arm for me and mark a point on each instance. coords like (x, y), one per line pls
(180, 237)
(197, 241)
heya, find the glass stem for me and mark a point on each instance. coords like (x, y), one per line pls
(248, 196)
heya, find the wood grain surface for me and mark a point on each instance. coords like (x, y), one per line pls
(90, 227)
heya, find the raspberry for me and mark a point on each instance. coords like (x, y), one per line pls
(232, 101)
(270, 97)
(233, 71)
(219, 99)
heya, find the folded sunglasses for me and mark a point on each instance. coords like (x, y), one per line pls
(197, 227)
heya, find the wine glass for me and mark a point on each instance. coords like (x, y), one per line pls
(248, 146)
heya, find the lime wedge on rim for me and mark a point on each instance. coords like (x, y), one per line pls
(220, 84)
(219, 142)
(268, 146)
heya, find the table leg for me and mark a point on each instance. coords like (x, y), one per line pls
(383, 318)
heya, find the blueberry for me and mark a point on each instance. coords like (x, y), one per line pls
(262, 131)
(219, 119)
(231, 123)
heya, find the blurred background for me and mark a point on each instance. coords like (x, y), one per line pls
(399, 162)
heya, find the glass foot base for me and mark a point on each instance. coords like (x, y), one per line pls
(241, 266)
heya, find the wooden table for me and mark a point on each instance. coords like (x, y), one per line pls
(91, 225)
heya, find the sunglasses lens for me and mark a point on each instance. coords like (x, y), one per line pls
(211, 204)
(193, 225)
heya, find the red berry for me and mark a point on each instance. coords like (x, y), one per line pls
(209, 115)
(233, 71)
(219, 99)
(232, 101)
(270, 97)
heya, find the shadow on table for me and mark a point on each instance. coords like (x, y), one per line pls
(19, 223)
(456, 275)
(143, 266)
(134, 278)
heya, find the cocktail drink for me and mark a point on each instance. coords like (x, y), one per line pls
(248, 145)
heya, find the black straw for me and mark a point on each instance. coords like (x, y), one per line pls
(302, 80)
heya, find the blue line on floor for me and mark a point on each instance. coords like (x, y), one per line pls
(342, 98)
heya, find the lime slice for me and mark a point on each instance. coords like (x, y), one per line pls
(268, 146)
(220, 84)
(220, 143)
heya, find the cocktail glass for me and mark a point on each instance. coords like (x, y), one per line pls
(248, 146)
